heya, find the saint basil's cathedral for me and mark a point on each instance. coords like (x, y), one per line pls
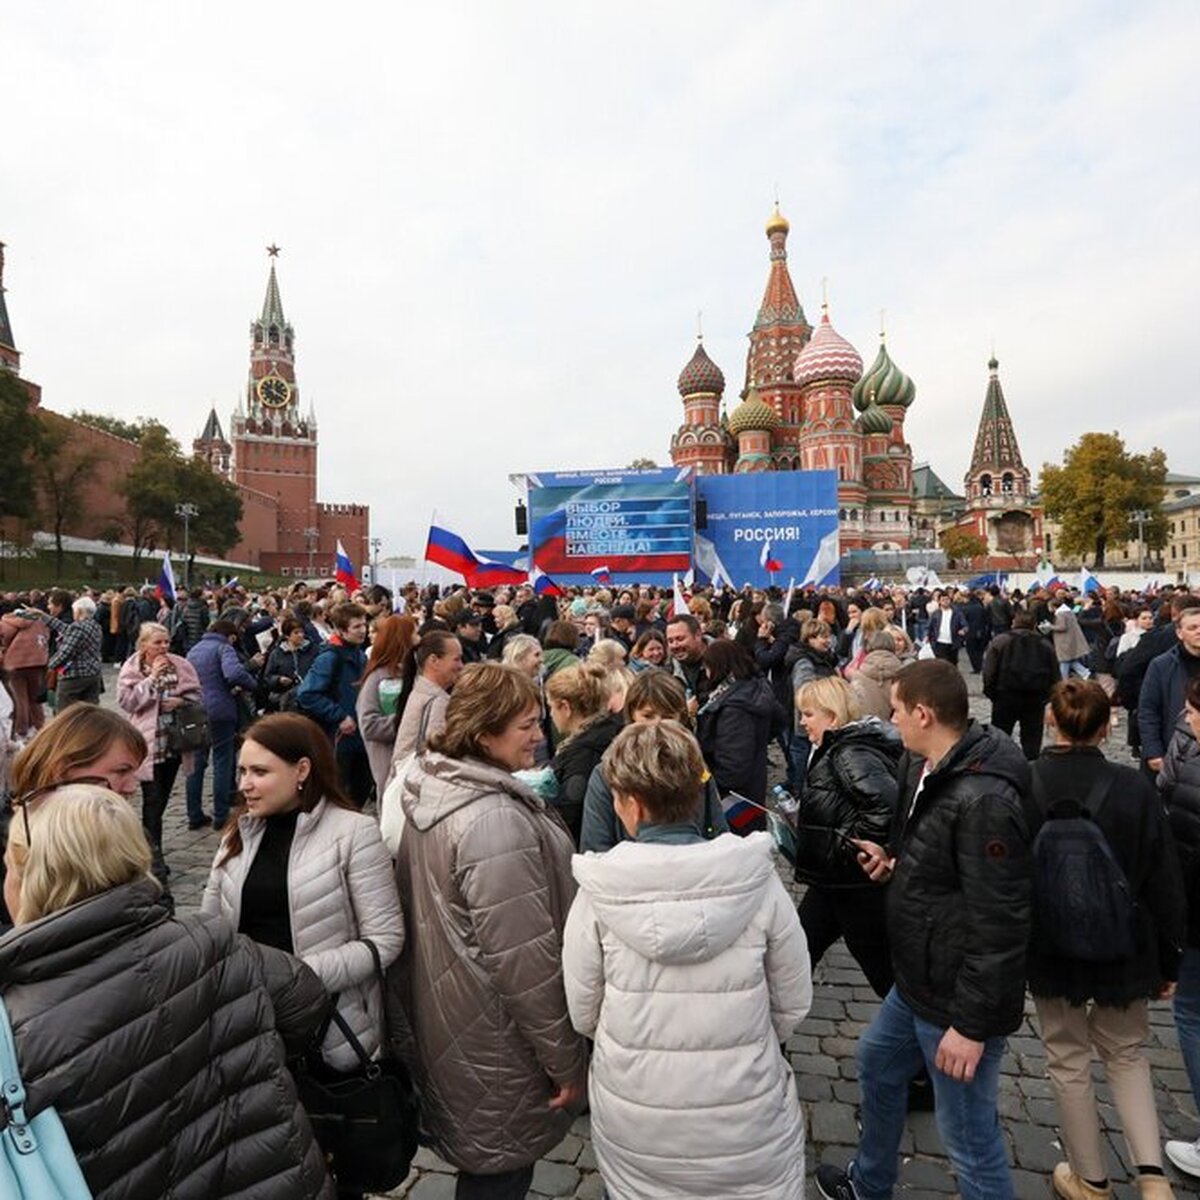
(808, 405)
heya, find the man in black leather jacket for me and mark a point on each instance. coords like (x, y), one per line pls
(961, 874)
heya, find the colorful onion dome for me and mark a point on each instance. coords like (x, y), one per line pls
(886, 380)
(777, 222)
(753, 413)
(828, 356)
(875, 420)
(700, 375)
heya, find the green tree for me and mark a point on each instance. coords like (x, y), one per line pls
(20, 433)
(216, 528)
(62, 468)
(960, 543)
(150, 490)
(130, 431)
(642, 464)
(1097, 489)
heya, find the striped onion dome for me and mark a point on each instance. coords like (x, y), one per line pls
(827, 356)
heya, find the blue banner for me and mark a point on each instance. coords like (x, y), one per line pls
(768, 528)
(630, 526)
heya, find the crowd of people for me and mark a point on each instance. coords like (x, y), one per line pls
(527, 847)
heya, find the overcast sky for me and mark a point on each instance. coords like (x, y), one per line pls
(499, 220)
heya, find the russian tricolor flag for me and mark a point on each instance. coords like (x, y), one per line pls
(739, 810)
(602, 574)
(343, 569)
(450, 551)
(769, 562)
(543, 585)
(166, 581)
(487, 573)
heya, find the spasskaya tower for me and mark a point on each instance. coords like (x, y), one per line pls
(272, 457)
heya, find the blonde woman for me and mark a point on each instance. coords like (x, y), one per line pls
(178, 1028)
(152, 686)
(580, 699)
(850, 793)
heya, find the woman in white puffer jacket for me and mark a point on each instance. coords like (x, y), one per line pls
(685, 961)
(303, 871)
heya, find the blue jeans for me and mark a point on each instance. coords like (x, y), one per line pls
(890, 1054)
(1078, 666)
(224, 754)
(798, 751)
(1187, 1017)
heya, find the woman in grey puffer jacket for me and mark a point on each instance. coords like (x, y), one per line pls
(485, 881)
(159, 1041)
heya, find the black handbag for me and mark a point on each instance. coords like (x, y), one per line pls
(366, 1121)
(189, 730)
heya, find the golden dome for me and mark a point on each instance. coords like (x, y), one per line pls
(753, 413)
(778, 223)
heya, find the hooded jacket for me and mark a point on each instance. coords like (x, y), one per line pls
(220, 671)
(872, 682)
(158, 1042)
(329, 692)
(959, 902)
(574, 762)
(484, 872)
(849, 792)
(734, 729)
(1160, 701)
(24, 642)
(688, 966)
(138, 696)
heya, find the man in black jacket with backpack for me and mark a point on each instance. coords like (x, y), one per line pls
(959, 912)
(1019, 670)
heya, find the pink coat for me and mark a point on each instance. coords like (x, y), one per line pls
(25, 642)
(140, 701)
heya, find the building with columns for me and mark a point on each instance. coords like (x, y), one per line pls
(271, 455)
(806, 405)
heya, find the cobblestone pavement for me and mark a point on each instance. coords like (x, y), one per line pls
(822, 1053)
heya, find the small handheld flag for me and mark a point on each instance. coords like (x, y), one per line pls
(344, 569)
(740, 811)
(602, 574)
(165, 590)
(679, 600)
(768, 561)
(543, 585)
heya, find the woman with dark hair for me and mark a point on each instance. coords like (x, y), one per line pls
(650, 650)
(159, 1041)
(561, 647)
(433, 665)
(288, 663)
(484, 869)
(301, 870)
(380, 693)
(1084, 1005)
(736, 724)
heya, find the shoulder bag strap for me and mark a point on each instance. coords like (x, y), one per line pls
(14, 1087)
(369, 1065)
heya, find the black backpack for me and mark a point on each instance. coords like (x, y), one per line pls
(1026, 667)
(1083, 905)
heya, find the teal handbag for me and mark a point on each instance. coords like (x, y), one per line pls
(38, 1162)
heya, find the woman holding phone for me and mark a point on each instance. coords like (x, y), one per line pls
(850, 794)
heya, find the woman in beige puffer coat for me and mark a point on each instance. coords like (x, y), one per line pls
(485, 880)
(302, 871)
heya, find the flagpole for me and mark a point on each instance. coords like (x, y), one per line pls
(425, 552)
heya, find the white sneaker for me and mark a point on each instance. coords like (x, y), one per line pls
(1186, 1156)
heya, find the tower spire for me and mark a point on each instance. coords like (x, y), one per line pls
(996, 448)
(6, 334)
(272, 311)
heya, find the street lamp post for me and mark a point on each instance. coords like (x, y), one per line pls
(187, 512)
(1140, 517)
(375, 544)
(310, 535)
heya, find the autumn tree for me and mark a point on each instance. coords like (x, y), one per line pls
(1096, 491)
(216, 528)
(150, 491)
(129, 431)
(63, 467)
(960, 543)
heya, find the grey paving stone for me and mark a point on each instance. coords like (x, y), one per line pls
(833, 1123)
(433, 1186)
(567, 1151)
(554, 1179)
(924, 1176)
(1034, 1146)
